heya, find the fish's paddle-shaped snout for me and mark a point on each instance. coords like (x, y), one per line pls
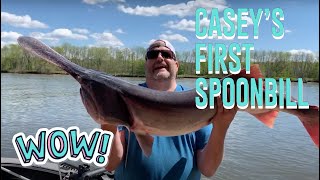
(43, 51)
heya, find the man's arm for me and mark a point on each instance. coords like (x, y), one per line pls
(210, 157)
(118, 147)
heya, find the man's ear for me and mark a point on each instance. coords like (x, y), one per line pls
(145, 67)
(177, 63)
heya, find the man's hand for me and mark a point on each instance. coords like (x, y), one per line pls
(209, 159)
(118, 147)
(224, 117)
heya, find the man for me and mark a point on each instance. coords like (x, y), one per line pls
(179, 157)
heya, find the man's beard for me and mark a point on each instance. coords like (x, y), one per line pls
(162, 75)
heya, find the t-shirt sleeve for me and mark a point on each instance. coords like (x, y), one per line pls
(202, 136)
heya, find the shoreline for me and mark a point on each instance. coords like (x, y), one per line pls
(305, 80)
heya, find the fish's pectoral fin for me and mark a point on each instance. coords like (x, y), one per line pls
(145, 141)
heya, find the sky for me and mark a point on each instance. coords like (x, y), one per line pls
(135, 23)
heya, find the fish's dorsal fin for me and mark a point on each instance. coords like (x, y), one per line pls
(268, 118)
(145, 142)
(255, 72)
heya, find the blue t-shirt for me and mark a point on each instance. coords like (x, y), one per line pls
(171, 157)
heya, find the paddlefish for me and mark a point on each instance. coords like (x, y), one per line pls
(148, 112)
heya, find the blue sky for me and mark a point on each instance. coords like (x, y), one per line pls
(124, 23)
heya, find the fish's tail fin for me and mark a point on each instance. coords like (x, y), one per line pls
(308, 117)
(43, 51)
(267, 118)
(310, 120)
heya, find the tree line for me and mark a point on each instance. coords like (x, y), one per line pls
(130, 62)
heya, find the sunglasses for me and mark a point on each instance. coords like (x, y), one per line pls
(153, 54)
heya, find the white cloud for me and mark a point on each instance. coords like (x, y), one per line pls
(58, 34)
(181, 10)
(170, 37)
(66, 33)
(184, 24)
(287, 31)
(173, 37)
(44, 36)
(21, 21)
(300, 51)
(120, 31)
(81, 30)
(9, 38)
(92, 2)
(10, 35)
(189, 25)
(106, 39)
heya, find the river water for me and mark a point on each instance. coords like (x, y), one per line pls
(252, 151)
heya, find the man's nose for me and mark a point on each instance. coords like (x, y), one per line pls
(160, 58)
